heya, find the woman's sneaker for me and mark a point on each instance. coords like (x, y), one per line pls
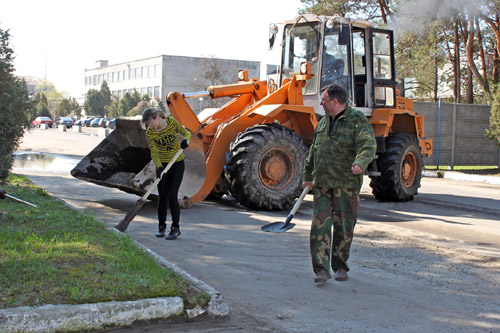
(174, 233)
(161, 231)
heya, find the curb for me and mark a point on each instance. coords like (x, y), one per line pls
(64, 317)
(493, 180)
(217, 305)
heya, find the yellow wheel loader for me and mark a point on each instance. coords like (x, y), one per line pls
(254, 147)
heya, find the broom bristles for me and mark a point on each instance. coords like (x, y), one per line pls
(122, 226)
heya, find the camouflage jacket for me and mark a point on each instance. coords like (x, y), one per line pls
(331, 155)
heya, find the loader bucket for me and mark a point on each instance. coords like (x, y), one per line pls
(122, 160)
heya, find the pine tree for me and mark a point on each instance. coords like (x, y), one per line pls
(15, 106)
(493, 133)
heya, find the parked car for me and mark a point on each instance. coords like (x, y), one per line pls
(102, 122)
(95, 122)
(42, 120)
(87, 121)
(65, 121)
(111, 123)
(79, 122)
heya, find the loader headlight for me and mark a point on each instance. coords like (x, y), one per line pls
(243, 75)
(303, 68)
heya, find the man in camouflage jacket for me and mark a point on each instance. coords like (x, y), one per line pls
(343, 146)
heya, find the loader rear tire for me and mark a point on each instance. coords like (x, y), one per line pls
(401, 169)
(264, 167)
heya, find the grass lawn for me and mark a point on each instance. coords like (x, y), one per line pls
(55, 255)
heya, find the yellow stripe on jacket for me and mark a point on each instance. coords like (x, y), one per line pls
(165, 143)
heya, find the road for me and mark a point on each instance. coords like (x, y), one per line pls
(427, 265)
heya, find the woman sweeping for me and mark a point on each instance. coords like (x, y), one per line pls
(163, 139)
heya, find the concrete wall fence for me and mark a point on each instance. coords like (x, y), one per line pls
(461, 140)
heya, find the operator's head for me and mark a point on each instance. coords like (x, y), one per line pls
(333, 99)
(150, 115)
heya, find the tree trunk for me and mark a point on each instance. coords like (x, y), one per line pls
(470, 59)
(384, 10)
(469, 98)
(496, 61)
(481, 54)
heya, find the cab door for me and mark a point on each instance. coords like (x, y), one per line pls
(383, 73)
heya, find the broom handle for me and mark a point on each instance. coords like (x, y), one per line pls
(169, 165)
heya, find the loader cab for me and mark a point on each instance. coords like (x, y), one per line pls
(347, 52)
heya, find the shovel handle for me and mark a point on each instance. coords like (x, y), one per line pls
(299, 201)
(295, 207)
(157, 180)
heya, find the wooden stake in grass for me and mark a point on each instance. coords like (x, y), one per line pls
(122, 226)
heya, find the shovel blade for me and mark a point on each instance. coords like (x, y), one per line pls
(277, 227)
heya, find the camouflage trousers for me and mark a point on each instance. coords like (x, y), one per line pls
(338, 208)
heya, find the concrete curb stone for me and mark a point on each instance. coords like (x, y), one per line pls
(493, 180)
(64, 317)
(217, 305)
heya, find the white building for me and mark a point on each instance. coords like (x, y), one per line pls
(159, 75)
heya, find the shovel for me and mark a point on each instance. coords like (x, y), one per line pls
(282, 227)
(122, 226)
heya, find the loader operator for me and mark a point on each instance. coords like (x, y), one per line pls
(163, 139)
(343, 146)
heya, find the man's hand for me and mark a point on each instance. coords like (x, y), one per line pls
(184, 144)
(307, 184)
(356, 169)
(2, 193)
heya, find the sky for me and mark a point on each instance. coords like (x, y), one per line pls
(59, 39)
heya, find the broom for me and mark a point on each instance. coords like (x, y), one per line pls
(122, 226)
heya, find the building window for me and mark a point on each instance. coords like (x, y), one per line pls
(113, 77)
(143, 91)
(157, 70)
(120, 78)
(150, 92)
(151, 71)
(157, 91)
(95, 79)
(143, 72)
(131, 73)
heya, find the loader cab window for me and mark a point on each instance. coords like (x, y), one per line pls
(301, 44)
(382, 68)
(359, 61)
(382, 56)
(335, 67)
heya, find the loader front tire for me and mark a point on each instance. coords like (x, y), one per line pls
(401, 169)
(264, 167)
